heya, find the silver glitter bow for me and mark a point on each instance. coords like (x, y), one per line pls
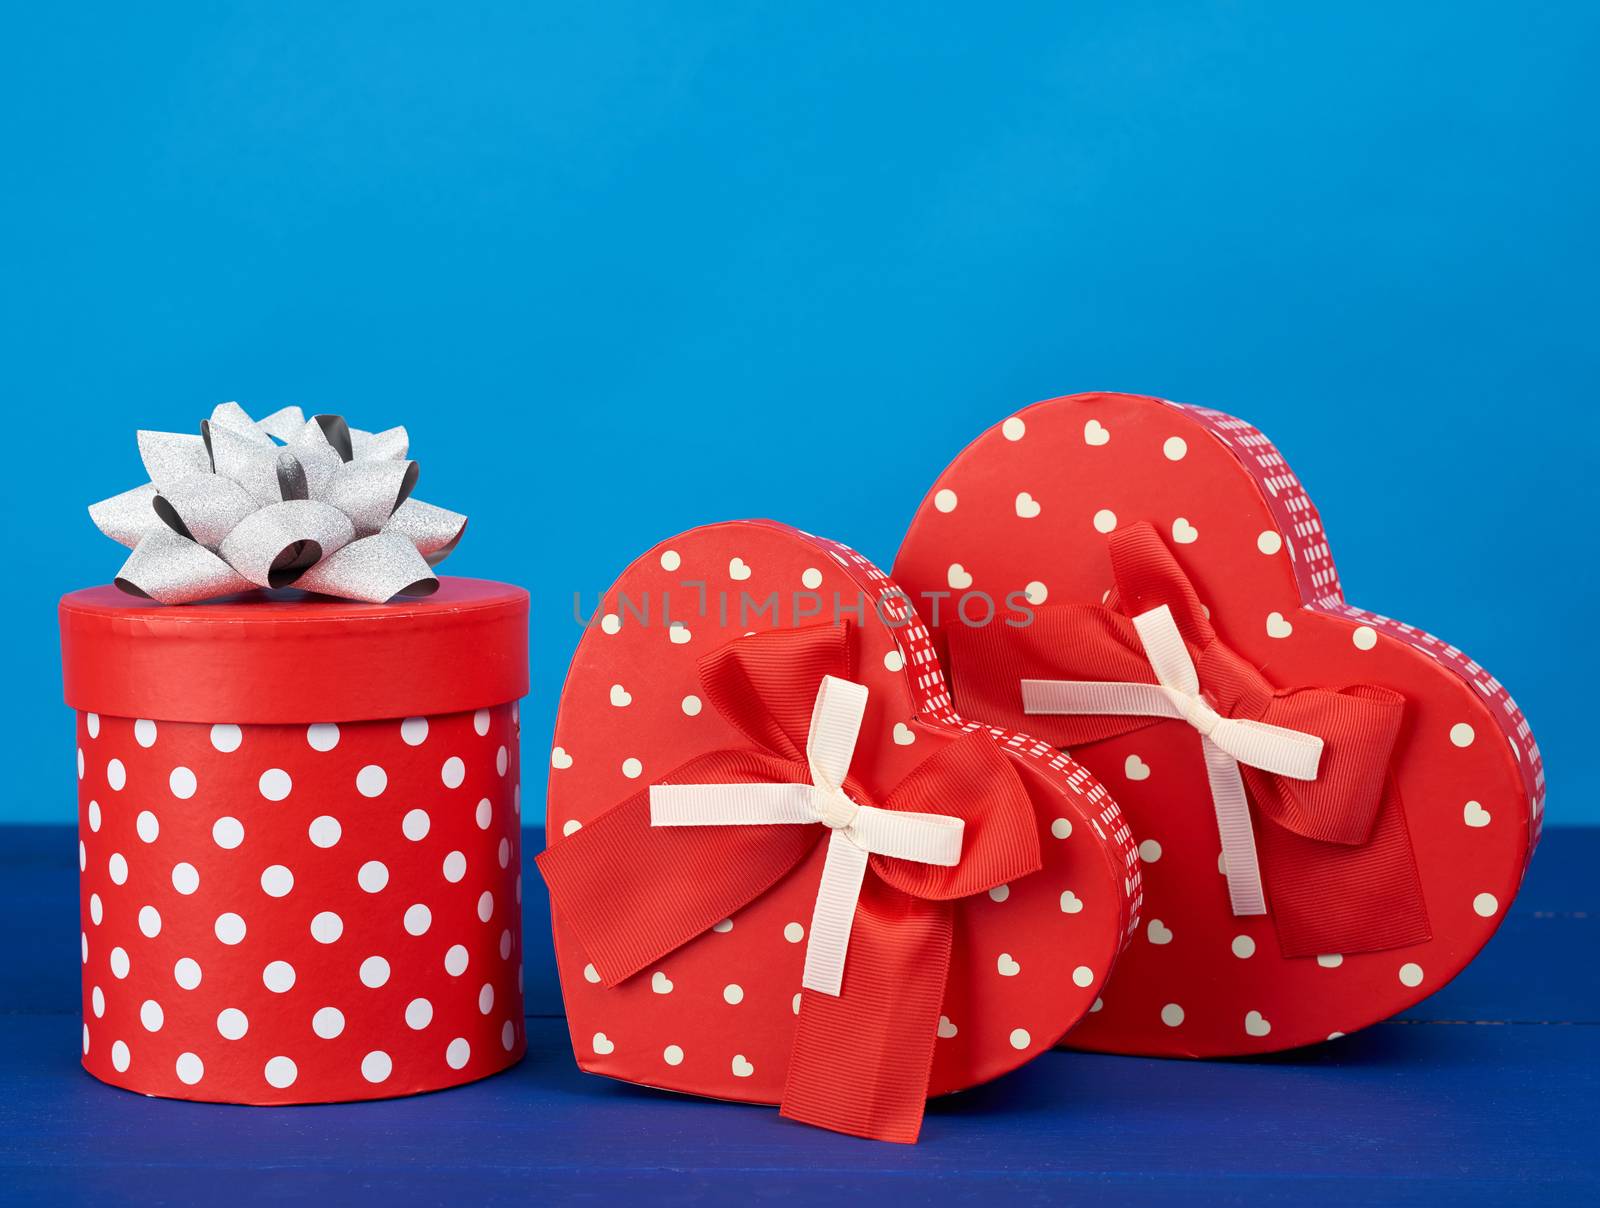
(287, 501)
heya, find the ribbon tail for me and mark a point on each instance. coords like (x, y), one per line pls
(631, 892)
(1239, 858)
(834, 915)
(861, 1060)
(1332, 898)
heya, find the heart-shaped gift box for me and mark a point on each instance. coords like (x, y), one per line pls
(745, 675)
(1334, 809)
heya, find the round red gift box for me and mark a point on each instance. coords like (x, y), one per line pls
(299, 842)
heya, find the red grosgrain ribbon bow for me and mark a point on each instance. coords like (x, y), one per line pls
(664, 866)
(1335, 862)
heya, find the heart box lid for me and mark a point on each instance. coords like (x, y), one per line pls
(1383, 873)
(716, 638)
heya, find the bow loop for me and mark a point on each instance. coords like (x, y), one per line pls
(283, 423)
(389, 445)
(1148, 576)
(973, 782)
(170, 457)
(1234, 685)
(765, 684)
(1358, 727)
(236, 419)
(251, 463)
(433, 531)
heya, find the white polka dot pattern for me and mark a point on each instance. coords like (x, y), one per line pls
(1240, 523)
(1319, 581)
(247, 902)
(715, 1016)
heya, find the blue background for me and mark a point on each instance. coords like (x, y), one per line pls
(623, 269)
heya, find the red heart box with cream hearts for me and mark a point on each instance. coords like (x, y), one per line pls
(683, 949)
(1381, 791)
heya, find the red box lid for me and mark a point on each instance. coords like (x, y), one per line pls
(261, 658)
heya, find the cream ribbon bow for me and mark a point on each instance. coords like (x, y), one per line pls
(1226, 741)
(858, 831)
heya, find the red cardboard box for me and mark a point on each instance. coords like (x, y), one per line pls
(695, 956)
(299, 841)
(1376, 847)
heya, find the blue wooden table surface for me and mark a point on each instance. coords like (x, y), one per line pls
(1485, 1093)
